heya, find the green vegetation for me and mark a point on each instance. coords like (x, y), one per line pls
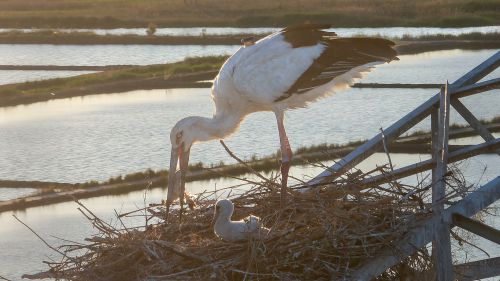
(57, 36)
(195, 64)
(341, 13)
(54, 36)
(12, 94)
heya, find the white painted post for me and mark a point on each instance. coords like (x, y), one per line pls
(441, 249)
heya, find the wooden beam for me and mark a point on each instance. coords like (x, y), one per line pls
(472, 120)
(477, 227)
(460, 88)
(454, 134)
(454, 156)
(441, 244)
(480, 71)
(471, 270)
(479, 87)
(478, 269)
(421, 234)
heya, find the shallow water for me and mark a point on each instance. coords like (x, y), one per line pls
(96, 137)
(199, 31)
(45, 54)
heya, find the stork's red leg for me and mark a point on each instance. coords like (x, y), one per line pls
(286, 156)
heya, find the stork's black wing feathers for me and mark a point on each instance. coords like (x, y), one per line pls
(339, 56)
(308, 34)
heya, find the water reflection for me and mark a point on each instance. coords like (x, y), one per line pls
(44, 54)
(199, 31)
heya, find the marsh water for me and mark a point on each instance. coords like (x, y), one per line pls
(100, 136)
(200, 31)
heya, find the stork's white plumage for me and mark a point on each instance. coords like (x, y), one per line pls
(284, 70)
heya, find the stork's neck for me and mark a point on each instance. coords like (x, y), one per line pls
(218, 126)
(224, 216)
(223, 219)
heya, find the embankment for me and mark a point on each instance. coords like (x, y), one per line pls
(61, 192)
(185, 74)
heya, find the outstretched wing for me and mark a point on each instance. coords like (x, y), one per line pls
(340, 56)
(300, 58)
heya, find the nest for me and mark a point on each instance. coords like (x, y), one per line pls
(324, 233)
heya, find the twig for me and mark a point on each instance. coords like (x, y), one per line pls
(385, 148)
(245, 164)
(39, 237)
(3, 278)
(165, 277)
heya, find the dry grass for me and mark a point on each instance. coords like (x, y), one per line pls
(93, 13)
(326, 232)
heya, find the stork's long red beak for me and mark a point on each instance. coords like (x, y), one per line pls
(176, 188)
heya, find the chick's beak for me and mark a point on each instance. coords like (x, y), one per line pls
(176, 188)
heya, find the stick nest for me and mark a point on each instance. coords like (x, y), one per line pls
(324, 233)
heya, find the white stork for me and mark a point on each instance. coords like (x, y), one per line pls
(285, 70)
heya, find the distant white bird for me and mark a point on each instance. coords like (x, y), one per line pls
(234, 231)
(287, 69)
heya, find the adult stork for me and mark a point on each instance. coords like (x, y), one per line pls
(285, 70)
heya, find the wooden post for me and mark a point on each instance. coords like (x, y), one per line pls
(434, 139)
(441, 246)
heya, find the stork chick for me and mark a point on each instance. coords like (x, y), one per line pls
(234, 231)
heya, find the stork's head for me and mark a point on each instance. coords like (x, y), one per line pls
(183, 133)
(186, 132)
(223, 210)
